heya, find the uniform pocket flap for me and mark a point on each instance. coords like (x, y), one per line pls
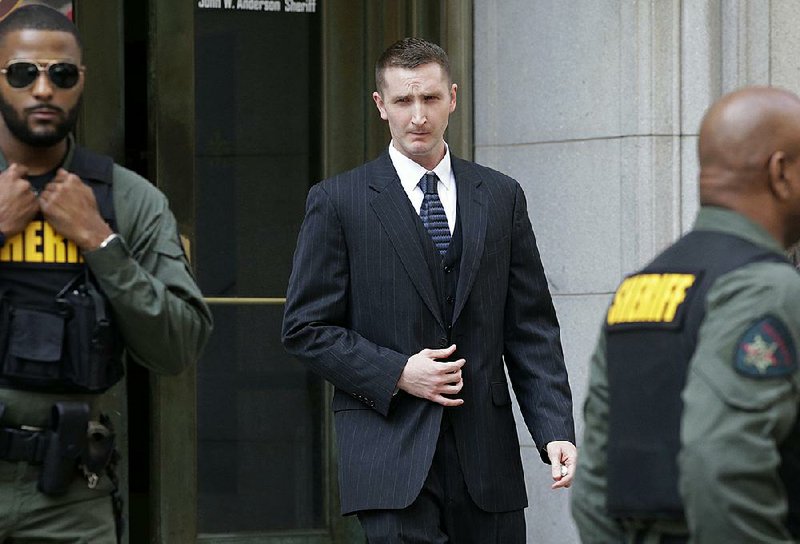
(36, 336)
(500, 394)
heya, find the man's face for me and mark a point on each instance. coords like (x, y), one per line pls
(40, 114)
(417, 103)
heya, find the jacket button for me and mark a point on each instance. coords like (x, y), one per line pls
(448, 269)
(443, 342)
(450, 299)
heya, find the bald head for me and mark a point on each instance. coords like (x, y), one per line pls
(749, 148)
(742, 130)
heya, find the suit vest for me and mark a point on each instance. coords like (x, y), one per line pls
(651, 333)
(56, 329)
(445, 271)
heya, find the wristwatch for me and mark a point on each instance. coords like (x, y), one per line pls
(110, 238)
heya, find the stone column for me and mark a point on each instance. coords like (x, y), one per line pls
(594, 107)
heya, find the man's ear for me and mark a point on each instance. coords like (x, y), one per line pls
(779, 184)
(376, 96)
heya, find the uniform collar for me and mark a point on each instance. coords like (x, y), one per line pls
(712, 218)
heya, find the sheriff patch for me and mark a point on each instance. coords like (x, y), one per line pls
(766, 350)
(650, 299)
(39, 243)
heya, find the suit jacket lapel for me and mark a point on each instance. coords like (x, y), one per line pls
(391, 204)
(472, 203)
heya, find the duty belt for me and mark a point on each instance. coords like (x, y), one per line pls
(22, 445)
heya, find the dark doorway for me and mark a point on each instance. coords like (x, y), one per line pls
(135, 30)
(261, 430)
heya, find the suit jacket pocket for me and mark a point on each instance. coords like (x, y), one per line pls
(500, 394)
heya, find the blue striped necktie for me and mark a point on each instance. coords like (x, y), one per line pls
(432, 213)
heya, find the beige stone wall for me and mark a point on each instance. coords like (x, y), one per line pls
(594, 107)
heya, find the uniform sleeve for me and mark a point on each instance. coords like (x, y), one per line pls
(316, 317)
(594, 524)
(533, 351)
(146, 277)
(740, 402)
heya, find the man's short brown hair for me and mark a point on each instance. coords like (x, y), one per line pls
(410, 53)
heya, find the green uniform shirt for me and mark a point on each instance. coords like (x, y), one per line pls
(146, 277)
(733, 421)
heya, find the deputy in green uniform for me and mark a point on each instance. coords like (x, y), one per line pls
(691, 415)
(92, 277)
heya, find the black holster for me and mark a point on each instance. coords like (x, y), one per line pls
(66, 442)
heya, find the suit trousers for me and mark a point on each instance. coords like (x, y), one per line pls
(443, 511)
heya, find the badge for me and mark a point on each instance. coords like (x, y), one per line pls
(766, 350)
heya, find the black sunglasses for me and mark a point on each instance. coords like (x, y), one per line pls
(22, 73)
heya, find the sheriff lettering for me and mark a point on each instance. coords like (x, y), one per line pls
(39, 243)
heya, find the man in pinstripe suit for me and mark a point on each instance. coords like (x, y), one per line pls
(416, 276)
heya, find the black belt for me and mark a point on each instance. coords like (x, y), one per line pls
(22, 445)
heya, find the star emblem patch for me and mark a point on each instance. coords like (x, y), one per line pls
(766, 350)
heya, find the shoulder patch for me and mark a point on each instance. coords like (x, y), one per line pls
(766, 350)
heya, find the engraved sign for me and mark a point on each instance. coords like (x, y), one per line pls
(284, 6)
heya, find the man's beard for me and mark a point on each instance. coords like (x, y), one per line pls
(19, 128)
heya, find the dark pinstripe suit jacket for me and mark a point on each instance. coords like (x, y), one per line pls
(361, 301)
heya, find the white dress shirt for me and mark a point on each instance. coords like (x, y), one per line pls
(410, 173)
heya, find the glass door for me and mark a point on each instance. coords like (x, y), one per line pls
(262, 441)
